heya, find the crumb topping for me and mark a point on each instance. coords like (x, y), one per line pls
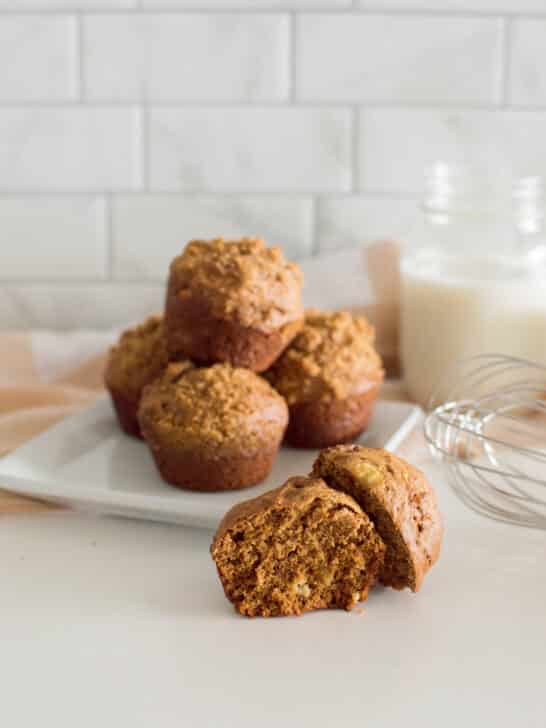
(242, 280)
(332, 357)
(218, 406)
(139, 356)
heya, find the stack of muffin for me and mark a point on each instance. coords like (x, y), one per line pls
(235, 366)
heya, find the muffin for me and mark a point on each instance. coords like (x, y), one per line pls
(232, 301)
(138, 358)
(399, 501)
(300, 547)
(212, 428)
(330, 376)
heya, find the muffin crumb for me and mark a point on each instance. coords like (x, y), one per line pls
(300, 547)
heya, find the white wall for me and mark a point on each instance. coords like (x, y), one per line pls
(128, 127)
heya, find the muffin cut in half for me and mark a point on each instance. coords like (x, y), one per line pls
(330, 377)
(232, 301)
(212, 428)
(300, 547)
(137, 359)
(399, 501)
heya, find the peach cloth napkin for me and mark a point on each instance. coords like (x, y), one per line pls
(46, 376)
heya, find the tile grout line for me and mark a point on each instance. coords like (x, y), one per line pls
(355, 150)
(78, 59)
(314, 226)
(300, 195)
(269, 194)
(109, 232)
(76, 282)
(316, 105)
(144, 147)
(505, 61)
(355, 9)
(292, 58)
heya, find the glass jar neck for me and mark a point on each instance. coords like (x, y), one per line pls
(469, 211)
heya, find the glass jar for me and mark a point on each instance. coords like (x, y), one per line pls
(473, 277)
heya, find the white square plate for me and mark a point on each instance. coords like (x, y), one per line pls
(88, 463)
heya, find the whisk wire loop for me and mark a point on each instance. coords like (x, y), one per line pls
(489, 428)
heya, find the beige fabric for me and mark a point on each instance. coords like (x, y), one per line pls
(28, 405)
(382, 262)
(45, 377)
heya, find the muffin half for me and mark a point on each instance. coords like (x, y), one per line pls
(232, 301)
(398, 499)
(330, 377)
(212, 428)
(300, 547)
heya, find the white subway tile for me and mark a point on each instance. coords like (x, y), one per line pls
(196, 57)
(69, 148)
(252, 4)
(384, 58)
(81, 306)
(397, 144)
(346, 222)
(25, 5)
(527, 72)
(484, 6)
(114, 304)
(289, 150)
(149, 230)
(336, 280)
(52, 238)
(37, 58)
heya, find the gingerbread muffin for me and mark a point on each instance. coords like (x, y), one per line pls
(330, 377)
(213, 428)
(138, 358)
(232, 301)
(399, 501)
(300, 547)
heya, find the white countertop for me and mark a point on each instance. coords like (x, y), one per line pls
(107, 622)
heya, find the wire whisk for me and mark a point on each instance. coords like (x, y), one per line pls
(490, 431)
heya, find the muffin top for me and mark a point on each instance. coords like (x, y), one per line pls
(331, 358)
(220, 407)
(139, 356)
(241, 280)
(296, 493)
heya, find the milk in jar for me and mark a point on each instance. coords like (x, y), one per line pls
(475, 285)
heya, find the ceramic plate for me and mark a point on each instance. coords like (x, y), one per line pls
(88, 463)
